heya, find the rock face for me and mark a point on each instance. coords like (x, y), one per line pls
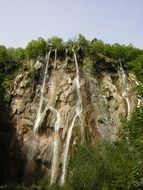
(103, 108)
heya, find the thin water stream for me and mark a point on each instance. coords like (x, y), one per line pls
(78, 111)
(41, 102)
(125, 88)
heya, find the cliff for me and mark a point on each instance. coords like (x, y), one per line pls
(56, 103)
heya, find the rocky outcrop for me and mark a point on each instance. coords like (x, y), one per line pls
(104, 107)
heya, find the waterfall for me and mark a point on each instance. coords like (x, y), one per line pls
(79, 103)
(55, 59)
(41, 102)
(139, 97)
(42, 110)
(56, 143)
(125, 88)
(78, 111)
(39, 118)
(139, 101)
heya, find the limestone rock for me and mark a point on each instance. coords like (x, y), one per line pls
(18, 106)
(102, 101)
(38, 65)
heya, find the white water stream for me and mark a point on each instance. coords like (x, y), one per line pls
(39, 118)
(125, 89)
(139, 97)
(78, 111)
(56, 142)
(55, 59)
(41, 102)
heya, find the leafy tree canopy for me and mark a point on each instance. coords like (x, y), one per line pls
(36, 48)
(55, 43)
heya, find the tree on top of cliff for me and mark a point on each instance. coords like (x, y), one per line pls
(114, 51)
(36, 48)
(3, 54)
(55, 43)
(16, 54)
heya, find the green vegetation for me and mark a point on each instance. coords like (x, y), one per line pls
(36, 48)
(112, 166)
(136, 66)
(10, 62)
(131, 57)
(55, 43)
(16, 55)
(115, 51)
(44, 184)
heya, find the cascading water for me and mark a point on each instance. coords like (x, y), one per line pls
(139, 97)
(139, 101)
(78, 93)
(55, 59)
(125, 88)
(78, 111)
(39, 118)
(41, 102)
(56, 142)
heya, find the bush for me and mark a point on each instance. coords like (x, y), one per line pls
(44, 184)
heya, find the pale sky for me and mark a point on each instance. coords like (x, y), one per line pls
(110, 20)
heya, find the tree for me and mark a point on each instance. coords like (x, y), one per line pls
(55, 43)
(36, 48)
(20, 54)
(136, 66)
(3, 57)
(96, 47)
(3, 54)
